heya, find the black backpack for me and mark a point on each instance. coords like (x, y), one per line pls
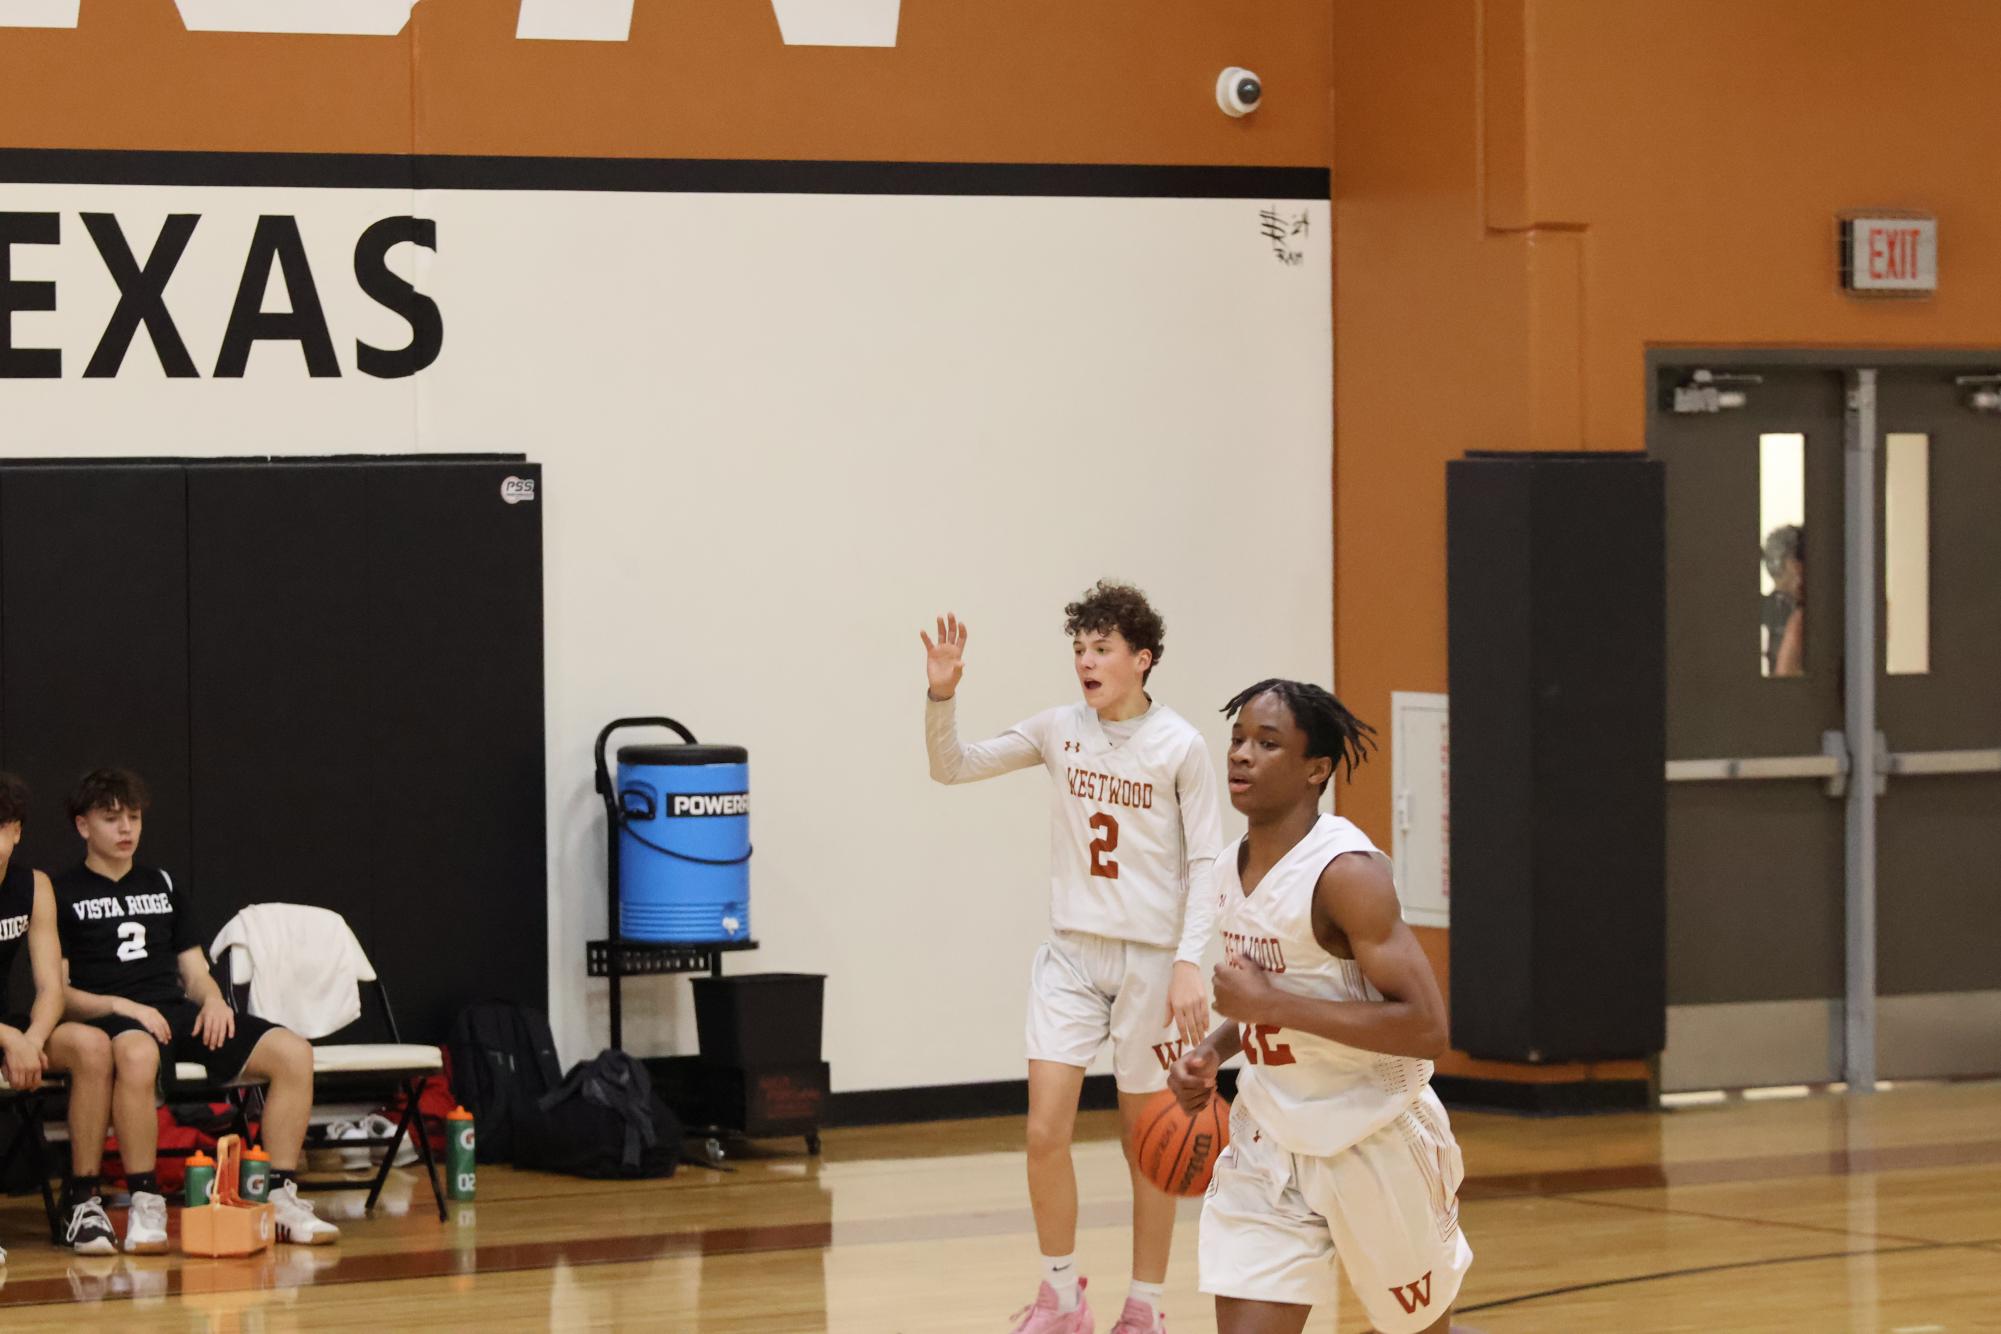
(503, 1062)
(603, 1121)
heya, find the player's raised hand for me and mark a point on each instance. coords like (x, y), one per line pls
(944, 658)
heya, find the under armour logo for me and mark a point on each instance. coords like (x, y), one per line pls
(1420, 1294)
(1073, 745)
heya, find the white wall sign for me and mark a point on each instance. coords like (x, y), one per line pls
(800, 22)
(1421, 780)
(1889, 254)
(575, 20)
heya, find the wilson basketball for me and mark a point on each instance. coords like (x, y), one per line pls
(1178, 1152)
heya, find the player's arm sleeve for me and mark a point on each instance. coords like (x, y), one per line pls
(1202, 834)
(1019, 747)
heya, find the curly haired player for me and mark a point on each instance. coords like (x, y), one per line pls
(1135, 822)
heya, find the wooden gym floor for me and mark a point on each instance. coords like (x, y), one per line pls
(1824, 1213)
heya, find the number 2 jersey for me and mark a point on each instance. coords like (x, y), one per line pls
(1133, 813)
(1314, 1096)
(124, 937)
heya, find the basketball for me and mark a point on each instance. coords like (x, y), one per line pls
(1178, 1152)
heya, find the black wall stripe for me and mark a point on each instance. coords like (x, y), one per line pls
(388, 171)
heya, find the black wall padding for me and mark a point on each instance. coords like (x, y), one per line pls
(94, 645)
(1557, 645)
(458, 768)
(351, 658)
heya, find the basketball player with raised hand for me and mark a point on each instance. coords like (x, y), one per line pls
(1135, 822)
(1338, 1146)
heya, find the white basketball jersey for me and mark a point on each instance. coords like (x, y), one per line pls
(1314, 1096)
(1117, 849)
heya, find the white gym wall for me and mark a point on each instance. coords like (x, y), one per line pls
(780, 433)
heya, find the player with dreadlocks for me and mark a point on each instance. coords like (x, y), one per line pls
(1338, 1146)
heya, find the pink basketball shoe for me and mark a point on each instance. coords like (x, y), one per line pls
(1139, 1318)
(1042, 1317)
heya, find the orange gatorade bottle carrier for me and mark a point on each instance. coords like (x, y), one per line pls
(229, 1224)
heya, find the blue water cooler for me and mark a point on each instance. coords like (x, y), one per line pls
(683, 843)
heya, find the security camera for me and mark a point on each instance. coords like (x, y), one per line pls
(1238, 91)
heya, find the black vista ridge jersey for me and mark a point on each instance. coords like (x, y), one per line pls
(124, 937)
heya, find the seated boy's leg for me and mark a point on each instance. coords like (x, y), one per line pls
(83, 1054)
(284, 1060)
(135, 1083)
(135, 1074)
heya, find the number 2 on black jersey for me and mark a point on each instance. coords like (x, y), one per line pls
(131, 942)
(1104, 845)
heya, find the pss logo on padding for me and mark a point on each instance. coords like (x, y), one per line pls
(517, 489)
(708, 803)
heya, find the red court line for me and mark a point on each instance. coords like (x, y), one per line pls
(272, 1271)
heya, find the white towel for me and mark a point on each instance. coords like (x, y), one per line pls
(305, 966)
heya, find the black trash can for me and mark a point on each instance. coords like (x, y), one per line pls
(760, 1020)
(759, 1072)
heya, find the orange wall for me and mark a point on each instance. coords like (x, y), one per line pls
(1115, 81)
(1530, 193)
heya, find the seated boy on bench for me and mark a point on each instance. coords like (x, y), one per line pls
(136, 971)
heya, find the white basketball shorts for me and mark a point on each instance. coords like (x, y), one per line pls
(1083, 989)
(1388, 1207)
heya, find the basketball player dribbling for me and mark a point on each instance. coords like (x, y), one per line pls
(1135, 822)
(1338, 1146)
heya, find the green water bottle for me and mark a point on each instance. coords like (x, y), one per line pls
(200, 1180)
(461, 1172)
(254, 1181)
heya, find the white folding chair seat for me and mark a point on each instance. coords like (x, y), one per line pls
(397, 1057)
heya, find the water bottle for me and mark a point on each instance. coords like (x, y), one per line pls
(254, 1181)
(461, 1173)
(200, 1180)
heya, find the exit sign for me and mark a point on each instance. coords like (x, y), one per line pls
(1889, 254)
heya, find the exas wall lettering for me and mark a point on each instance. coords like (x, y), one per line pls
(275, 246)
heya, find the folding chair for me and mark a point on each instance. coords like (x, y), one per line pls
(262, 958)
(29, 1139)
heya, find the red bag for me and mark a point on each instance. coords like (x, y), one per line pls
(177, 1141)
(437, 1101)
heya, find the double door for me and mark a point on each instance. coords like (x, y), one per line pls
(1834, 718)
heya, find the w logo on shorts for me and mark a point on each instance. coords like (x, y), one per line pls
(1413, 1295)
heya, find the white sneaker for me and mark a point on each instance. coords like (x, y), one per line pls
(146, 1224)
(297, 1223)
(379, 1126)
(356, 1158)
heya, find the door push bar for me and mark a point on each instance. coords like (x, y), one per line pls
(1832, 765)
